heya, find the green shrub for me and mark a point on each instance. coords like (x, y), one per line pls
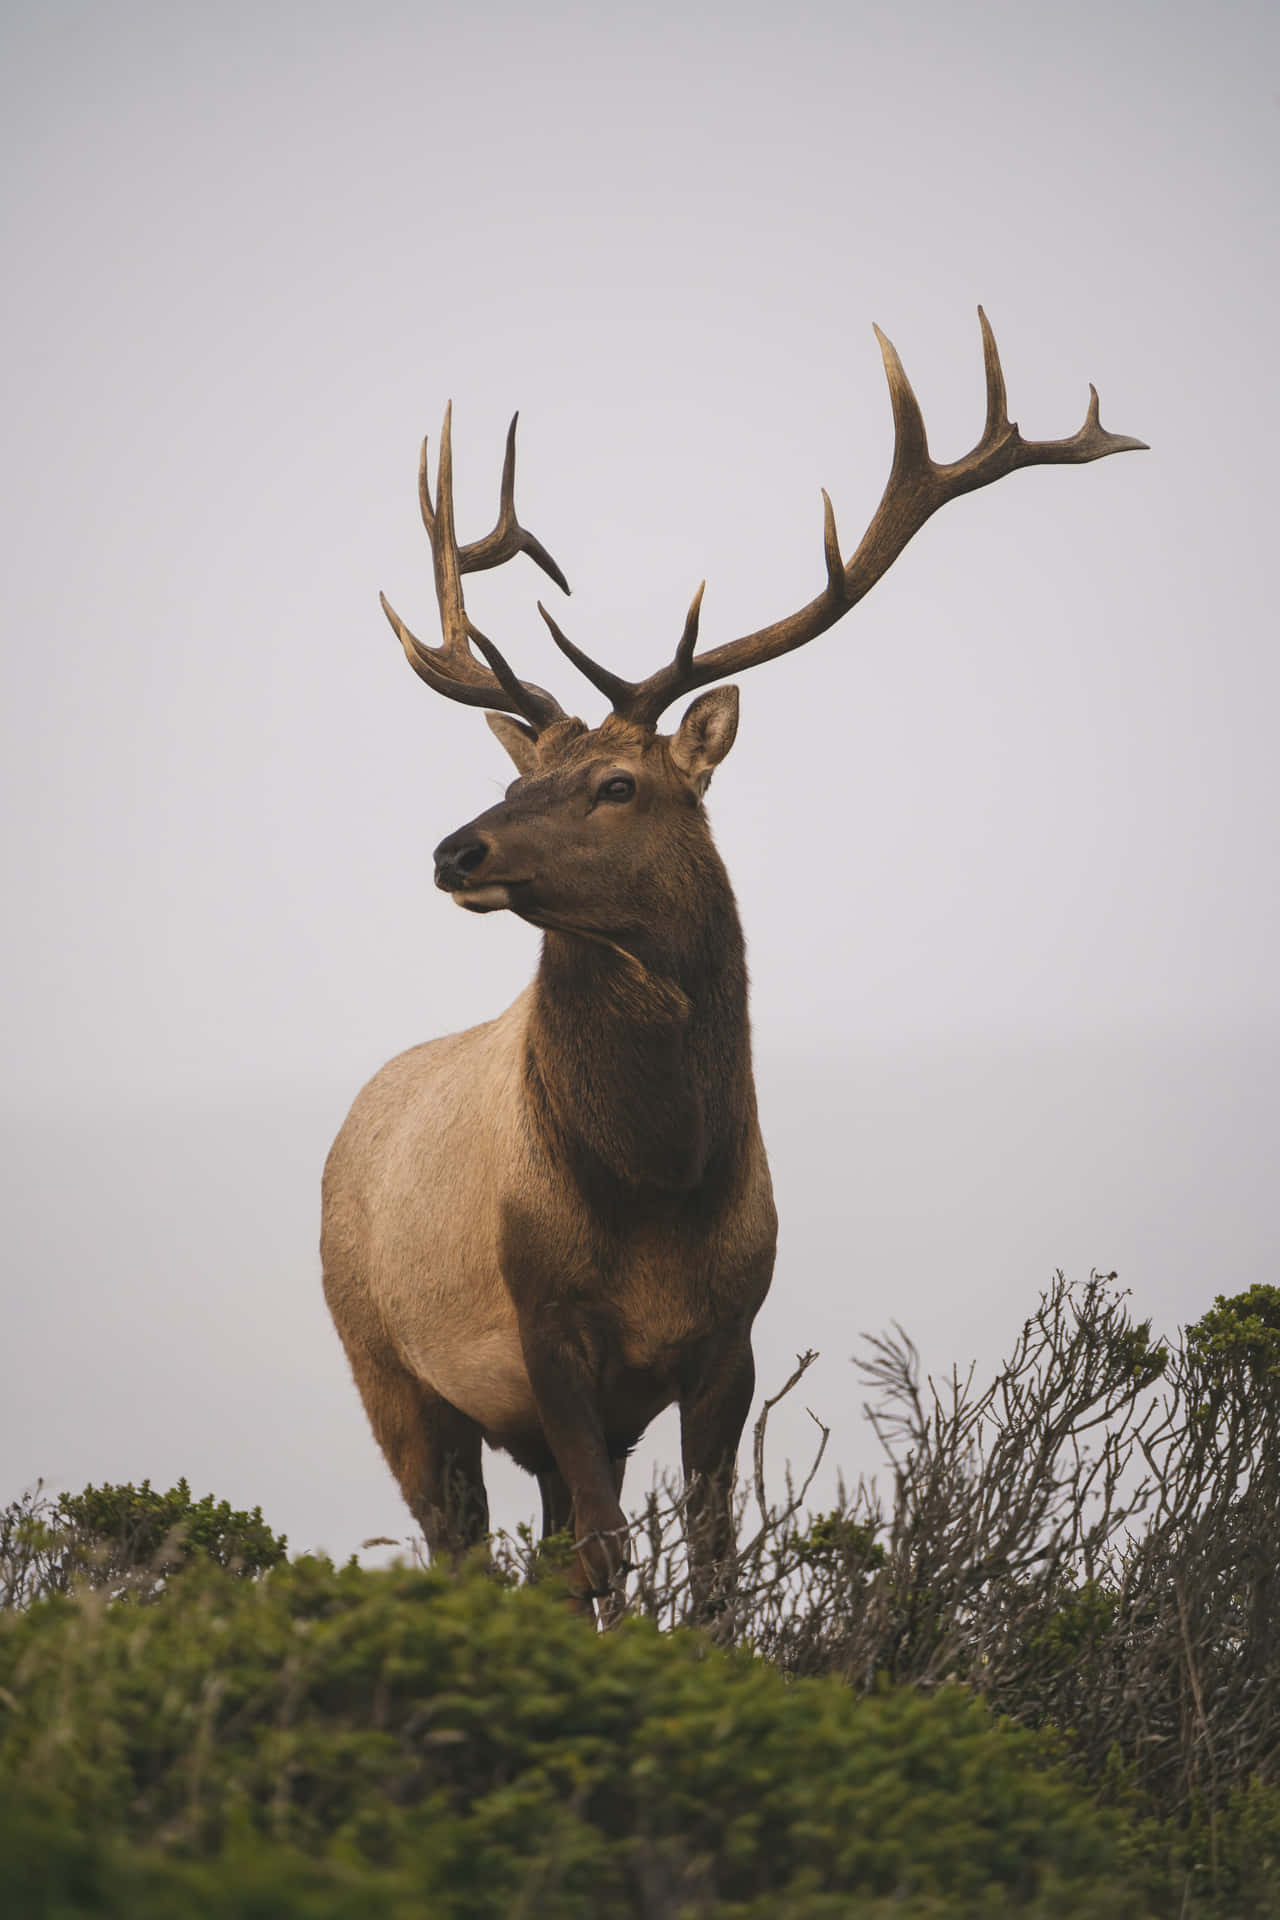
(335, 1742)
(1081, 1559)
(126, 1538)
(135, 1525)
(1241, 1330)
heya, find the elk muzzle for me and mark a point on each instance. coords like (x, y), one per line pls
(460, 862)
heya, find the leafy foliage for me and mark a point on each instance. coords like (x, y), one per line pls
(126, 1538)
(347, 1736)
(1240, 1332)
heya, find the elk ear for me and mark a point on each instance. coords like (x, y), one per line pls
(520, 741)
(705, 735)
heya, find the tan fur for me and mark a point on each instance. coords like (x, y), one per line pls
(410, 1241)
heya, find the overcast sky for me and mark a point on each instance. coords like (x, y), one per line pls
(1004, 841)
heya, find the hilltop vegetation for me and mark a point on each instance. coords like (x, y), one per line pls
(1042, 1680)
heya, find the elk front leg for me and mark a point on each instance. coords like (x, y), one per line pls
(557, 1517)
(714, 1405)
(563, 1354)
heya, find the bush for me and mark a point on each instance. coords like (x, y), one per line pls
(1077, 1566)
(1090, 1541)
(125, 1538)
(340, 1742)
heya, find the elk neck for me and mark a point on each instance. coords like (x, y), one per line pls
(638, 1064)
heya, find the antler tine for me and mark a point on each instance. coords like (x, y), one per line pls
(831, 551)
(611, 685)
(538, 706)
(917, 486)
(997, 400)
(625, 695)
(689, 638)
(507, 537)
(910, 441)
(444, 548)
(432, 664)
(452, 668)
(424, 491)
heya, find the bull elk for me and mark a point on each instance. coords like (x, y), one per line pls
(543, 1231)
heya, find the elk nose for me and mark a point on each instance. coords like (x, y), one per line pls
(458, 857)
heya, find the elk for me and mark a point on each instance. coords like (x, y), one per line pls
(543, 1231)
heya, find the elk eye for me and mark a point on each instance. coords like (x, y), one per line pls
(619, 787)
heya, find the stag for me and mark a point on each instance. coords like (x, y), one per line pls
(541, 1232)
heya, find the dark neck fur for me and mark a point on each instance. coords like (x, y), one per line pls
(639, 1050)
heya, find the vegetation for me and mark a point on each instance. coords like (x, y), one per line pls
(1038, 1677)
(126, 1538)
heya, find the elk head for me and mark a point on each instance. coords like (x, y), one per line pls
(586, 837)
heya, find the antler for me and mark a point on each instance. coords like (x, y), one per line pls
(917, 487)
(452, 668)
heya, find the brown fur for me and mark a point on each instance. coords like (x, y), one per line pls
(547, 1229)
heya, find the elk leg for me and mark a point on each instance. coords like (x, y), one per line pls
(432, 1449)
(561, 1357)
(713, 1411)
(613, 1605)
(557, 1503)
(557, 1517)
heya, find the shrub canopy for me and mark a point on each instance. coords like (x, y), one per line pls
(329, 1737)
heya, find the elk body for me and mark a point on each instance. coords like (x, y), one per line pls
(541, 1232)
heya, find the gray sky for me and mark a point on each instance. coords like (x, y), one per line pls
(1004, 841)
